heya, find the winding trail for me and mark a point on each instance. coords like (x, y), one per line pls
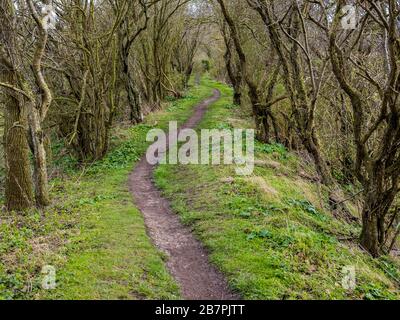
(187, 258)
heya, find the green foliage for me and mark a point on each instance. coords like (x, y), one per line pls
(372, 292)
(180, 104)
(62, 158)
(259, 234)
(224, 126)
(125, 154)
(206, 65)
(171, 98)
(274, 149)
(10, 285)
(308, 207)
(231, 106)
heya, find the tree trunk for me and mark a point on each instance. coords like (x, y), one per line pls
(235, 74)
(188, 74)
(347, 162)
(377, 203)
(18, 178)
(92, 138)
(311, 143)
(369, 235)
(18, 182)
(260, 114)
(237, 96)
(40, 167)
(134, 99)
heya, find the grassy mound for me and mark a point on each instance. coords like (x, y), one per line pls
(270, 232)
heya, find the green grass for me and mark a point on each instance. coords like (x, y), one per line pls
(271, 233)
(92, 234)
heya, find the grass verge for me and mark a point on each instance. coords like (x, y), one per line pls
(270, 233)
(92, 235)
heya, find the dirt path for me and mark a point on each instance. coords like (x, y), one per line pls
(187, 259)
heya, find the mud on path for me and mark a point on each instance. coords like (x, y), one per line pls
(187, 259)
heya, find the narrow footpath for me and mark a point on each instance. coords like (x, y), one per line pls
(187, 259)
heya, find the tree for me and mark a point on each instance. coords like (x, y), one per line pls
(376, 134)
(37, 106)
(290, 38)
(88, 56)
(19, 184)
(38, 109)
(261, 111)
(233, 69)
(157, 49)
(189, 33)
(128, 33)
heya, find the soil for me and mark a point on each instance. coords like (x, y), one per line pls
(187, 259)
